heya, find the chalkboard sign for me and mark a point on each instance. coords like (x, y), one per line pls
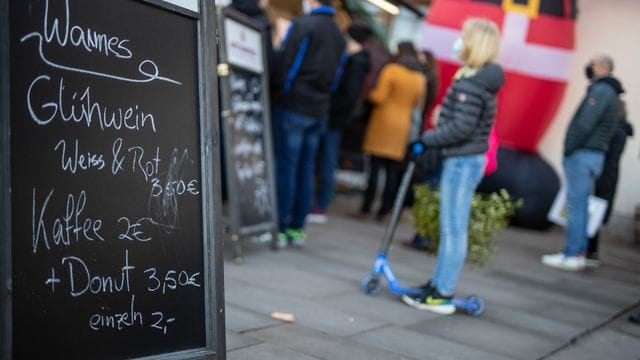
(246, 127)
(114, 207)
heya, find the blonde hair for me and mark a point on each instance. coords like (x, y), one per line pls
(481, 42)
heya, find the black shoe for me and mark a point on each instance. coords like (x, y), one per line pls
(360, 215)
(635, 318)
(592, 260)
(413, 245)
(418, 242)
(427, 288)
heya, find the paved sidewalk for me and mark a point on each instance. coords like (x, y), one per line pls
(532, 312)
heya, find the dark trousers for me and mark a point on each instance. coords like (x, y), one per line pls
(296, 139)
(392, 170)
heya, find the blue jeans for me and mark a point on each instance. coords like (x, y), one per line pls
(328, 163)
(460, 177)
(581, 169)
(296, 139)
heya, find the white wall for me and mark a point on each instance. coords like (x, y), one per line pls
(610, 27)
(406, 26)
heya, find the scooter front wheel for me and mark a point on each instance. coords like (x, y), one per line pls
(475, 306)
(371, 285)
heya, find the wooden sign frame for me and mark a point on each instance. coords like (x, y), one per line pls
(207, 95)
(240, 230)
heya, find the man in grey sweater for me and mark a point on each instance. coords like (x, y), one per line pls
(586, 143)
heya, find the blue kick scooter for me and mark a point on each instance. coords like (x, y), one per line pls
(372, 284)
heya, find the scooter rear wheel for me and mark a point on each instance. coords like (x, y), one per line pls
(371, 285)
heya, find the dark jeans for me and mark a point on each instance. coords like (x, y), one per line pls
(327, 165)
(392, 170)
(296, 139)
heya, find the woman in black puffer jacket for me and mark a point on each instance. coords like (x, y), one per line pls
(464, 124)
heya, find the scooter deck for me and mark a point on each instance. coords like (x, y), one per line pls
(472, 305)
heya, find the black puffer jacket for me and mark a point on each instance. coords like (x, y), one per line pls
(343, 101)
(467, 114)
(595, 120)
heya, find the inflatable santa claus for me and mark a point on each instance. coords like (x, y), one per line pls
(538, 39)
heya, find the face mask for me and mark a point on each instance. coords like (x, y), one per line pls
(588, 71)
(457, 46)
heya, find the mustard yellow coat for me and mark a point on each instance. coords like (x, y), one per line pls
(396, 93)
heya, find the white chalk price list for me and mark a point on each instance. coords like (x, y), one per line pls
(54, 101)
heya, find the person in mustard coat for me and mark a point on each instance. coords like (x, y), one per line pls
(400, 88)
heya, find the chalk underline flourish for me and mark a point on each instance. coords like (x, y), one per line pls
(150, 76)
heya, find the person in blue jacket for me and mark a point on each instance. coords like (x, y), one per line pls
(307, 70)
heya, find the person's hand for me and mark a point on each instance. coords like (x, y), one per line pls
(426, 157)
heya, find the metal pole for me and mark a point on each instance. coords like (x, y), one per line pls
(397, 207)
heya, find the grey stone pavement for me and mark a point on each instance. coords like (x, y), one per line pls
(532, 312)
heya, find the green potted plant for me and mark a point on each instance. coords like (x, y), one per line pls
(490, 213)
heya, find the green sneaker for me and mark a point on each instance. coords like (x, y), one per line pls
(297, 237)
(431, 301)
(282, 241)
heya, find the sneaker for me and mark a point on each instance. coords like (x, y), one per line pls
(431, 301)
(317, 216)
(282, 241)
(560, 261)
(297, 237)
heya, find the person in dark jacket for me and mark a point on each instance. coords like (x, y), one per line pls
(432, 73)
(466, 116)
(586, 144)
(353, 135)
(308, 70)
(341, 109)
(607, 183)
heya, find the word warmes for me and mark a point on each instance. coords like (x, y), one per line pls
(88, 39)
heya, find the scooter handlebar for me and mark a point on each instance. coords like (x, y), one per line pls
(417, 148)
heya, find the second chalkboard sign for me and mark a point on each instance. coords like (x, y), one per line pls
(247, 129)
